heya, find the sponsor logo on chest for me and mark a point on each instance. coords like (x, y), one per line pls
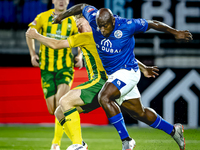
(107, 46)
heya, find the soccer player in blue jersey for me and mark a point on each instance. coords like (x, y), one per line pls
(114, 37)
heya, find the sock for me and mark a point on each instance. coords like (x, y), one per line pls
(119, 124)
(161, 124)
(62, 121)
(73, 125)
(58, 132)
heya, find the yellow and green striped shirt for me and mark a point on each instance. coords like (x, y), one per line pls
(91, 57)
(49, 59)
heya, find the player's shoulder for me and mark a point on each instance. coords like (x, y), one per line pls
(47, 13)
(88, 34)
(122, 20)
(89, 8)
(85, 35)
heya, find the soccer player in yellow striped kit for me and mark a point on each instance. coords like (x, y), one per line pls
(84, 95)
(57, 67)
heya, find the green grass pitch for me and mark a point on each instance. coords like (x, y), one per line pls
(97, 137)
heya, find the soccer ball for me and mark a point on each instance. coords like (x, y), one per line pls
(76, 147)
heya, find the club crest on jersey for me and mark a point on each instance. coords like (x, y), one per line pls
(118, 34)
(90, 9)
(34, 22)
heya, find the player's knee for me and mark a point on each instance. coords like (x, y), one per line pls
(103, 99)
(61, 101)
(50, 107)
(51, 111)
(57, 112)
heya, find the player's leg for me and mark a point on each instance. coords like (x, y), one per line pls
(146, 115)
(116, 87)
(150, 117)
(85, 93)
(71, 120)
(58, 130)
(49, 90)
(61, 117)
(63, 83)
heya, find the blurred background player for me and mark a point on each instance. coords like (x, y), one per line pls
(57, 67)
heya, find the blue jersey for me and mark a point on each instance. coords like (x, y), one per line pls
(116, 51)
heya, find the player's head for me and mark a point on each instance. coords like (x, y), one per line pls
(105, 21)
(82, 24)
(60, 5)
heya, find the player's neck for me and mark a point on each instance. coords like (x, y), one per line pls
(57, 12)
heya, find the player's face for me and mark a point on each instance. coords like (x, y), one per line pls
(60, 5)
(83, 25)
(106, 27)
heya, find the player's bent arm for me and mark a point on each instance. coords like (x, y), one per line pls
(160, 26)
(148, 71)
(31, 45)
(142, 66)
(74, 10)
(181, 35)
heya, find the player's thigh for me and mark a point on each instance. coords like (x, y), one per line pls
(124, 80)
(62, 89)
(90, 106)
(90, 89)
(71, 99)
(64, 76)
(89, 94)
(48, 84)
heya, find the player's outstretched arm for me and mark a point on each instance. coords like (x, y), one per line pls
(49, 42)
(148, 71)
(75, 10)
(180, 35)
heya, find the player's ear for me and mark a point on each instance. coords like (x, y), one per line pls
(53, 1)
(113, 21)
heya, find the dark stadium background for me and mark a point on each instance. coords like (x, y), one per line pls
(152, 48)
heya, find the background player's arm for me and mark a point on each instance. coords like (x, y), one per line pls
(180, 35)
(78, 59)
(148, 71)
(49, 42)
(34, 57)
(74, 10)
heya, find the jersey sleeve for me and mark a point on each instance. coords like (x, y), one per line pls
(137, 25)
(36, 23)
(81, 39)
(89, 12)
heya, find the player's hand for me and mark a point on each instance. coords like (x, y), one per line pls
(35, 60)
(31, 32)
(183, 36)
(150, 71)
(79, 62)
(56, 18)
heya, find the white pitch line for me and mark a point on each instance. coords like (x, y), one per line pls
(96, 140)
